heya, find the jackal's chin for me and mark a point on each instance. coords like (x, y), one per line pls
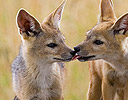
(56, 59)
(87, 58)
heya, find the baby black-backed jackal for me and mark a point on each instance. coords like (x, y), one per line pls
(108, 41)
(37, 70)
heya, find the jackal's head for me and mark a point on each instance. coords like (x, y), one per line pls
(43, 40)
(107, 39)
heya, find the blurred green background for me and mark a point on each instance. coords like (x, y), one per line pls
(79, 16)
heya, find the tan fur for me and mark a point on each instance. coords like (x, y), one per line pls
(108, 77)
(38, 72)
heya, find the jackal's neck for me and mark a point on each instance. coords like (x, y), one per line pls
(45, 73)
(41, 68)
(41, 77)
(119, 62)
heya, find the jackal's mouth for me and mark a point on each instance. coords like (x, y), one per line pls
(62, 59)
(82, 59)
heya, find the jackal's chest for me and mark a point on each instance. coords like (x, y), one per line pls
(44, 83)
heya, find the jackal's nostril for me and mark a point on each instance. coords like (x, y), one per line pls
(73, 53)
(77, 49)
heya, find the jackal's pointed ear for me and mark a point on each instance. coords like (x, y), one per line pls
(27, 24)
(107, 11)
(54, 18)
(121, 26)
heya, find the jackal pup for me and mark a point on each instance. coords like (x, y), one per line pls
(108, 41)
(37, 70)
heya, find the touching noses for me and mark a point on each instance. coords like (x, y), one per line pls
(73, 53)
(77, 49)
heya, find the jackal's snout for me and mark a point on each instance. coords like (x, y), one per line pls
(66, 56)
(77, 49)
(69, 55)
(82, 55)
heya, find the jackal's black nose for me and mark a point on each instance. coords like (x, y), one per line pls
(73, 53)
(77, 49)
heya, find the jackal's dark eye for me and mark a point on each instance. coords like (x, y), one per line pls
(52, 45)
(98, 42)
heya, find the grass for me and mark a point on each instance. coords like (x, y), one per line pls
(79, 16)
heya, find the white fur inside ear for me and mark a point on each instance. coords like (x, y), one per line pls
(123, 23)
(56, 23)
(31, 34)
(121, 31)
(32, 25)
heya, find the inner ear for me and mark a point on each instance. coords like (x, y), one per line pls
(121, 26)
(27, 24)
(54, 18)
